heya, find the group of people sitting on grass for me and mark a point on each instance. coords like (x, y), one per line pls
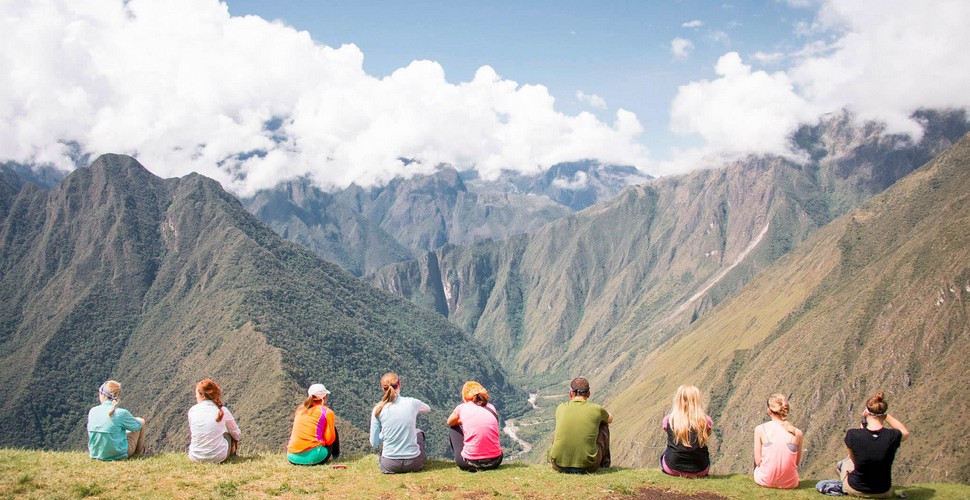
(581, 442)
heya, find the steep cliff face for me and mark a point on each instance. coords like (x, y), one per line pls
(877, 300)
(593, 291)
(302, 213)
(158, 283)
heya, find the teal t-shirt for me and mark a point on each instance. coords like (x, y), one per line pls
(577, 424)
(106, 435)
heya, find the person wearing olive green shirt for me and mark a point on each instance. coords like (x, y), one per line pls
(581, 442)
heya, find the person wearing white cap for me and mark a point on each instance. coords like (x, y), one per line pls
(314, 437)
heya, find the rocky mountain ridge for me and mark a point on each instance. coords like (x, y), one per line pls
(363, 229)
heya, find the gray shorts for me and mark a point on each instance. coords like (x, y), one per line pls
(399, 465)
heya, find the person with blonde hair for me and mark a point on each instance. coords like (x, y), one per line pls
(688, 430)
(474, 431)
(868, 470)
(215, 435)
(313, 439)
(777, 447)
(393, 423)
(113, 432)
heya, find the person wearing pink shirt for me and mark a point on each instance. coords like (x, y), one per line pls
(474, 431)
(777, 447)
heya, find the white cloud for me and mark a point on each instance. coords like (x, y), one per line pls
(893, 58)
(768, 58)
(720, 37)
(579, 181)
(186, 87)
(681, 47)
(741, 111)
(696, 23)
(591, 99)
(881, 59)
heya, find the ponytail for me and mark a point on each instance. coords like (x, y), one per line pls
(480, 400)
(778, 405)
(390, 383)
(112, 391)
(308, 403)
(210, 390)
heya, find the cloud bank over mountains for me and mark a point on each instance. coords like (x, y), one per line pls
(186, 87)
(882, 60)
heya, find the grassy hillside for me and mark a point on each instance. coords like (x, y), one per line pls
(877, 300)
(32, 474)
(116, 273)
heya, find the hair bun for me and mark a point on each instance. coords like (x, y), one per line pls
(879, 396)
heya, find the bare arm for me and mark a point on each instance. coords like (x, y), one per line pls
(757, 446)
(799, 436)
(896, 424)
(453, 419)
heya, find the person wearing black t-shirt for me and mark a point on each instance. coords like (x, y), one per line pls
(867, 472)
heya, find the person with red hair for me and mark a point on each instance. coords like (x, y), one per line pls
(215, 435)
(474, 431)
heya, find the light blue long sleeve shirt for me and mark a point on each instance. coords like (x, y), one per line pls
(397, 428)
(106, 434)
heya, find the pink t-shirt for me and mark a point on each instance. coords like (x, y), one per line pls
(480, 428)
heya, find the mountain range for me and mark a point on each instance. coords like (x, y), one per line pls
(590, 292)
(606, 291)
(364, 229)
(827, 274)
(116, 273)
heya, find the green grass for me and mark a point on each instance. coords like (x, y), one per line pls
(37, 474)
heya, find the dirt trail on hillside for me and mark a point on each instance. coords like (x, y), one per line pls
(717, 278)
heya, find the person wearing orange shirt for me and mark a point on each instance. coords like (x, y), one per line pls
(314, 437)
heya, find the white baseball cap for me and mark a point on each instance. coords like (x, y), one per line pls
(318, 390)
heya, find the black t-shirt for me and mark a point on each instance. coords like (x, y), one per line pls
(683, 458)
(873, 453)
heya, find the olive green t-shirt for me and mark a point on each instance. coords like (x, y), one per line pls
(577, 424)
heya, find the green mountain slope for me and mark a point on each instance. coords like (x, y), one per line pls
(116, 273)
(595, 291)
(301, 213)
(877, 300)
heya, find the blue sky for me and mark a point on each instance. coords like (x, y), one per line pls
(253, 93)
(620, 51)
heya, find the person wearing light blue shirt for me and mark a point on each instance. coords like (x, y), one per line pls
(394, 423)
(113, 433)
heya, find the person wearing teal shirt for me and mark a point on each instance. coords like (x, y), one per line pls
(113, 433)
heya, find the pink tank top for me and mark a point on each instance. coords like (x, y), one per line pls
(779, 455)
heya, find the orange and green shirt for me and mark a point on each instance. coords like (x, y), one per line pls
(312, 428)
